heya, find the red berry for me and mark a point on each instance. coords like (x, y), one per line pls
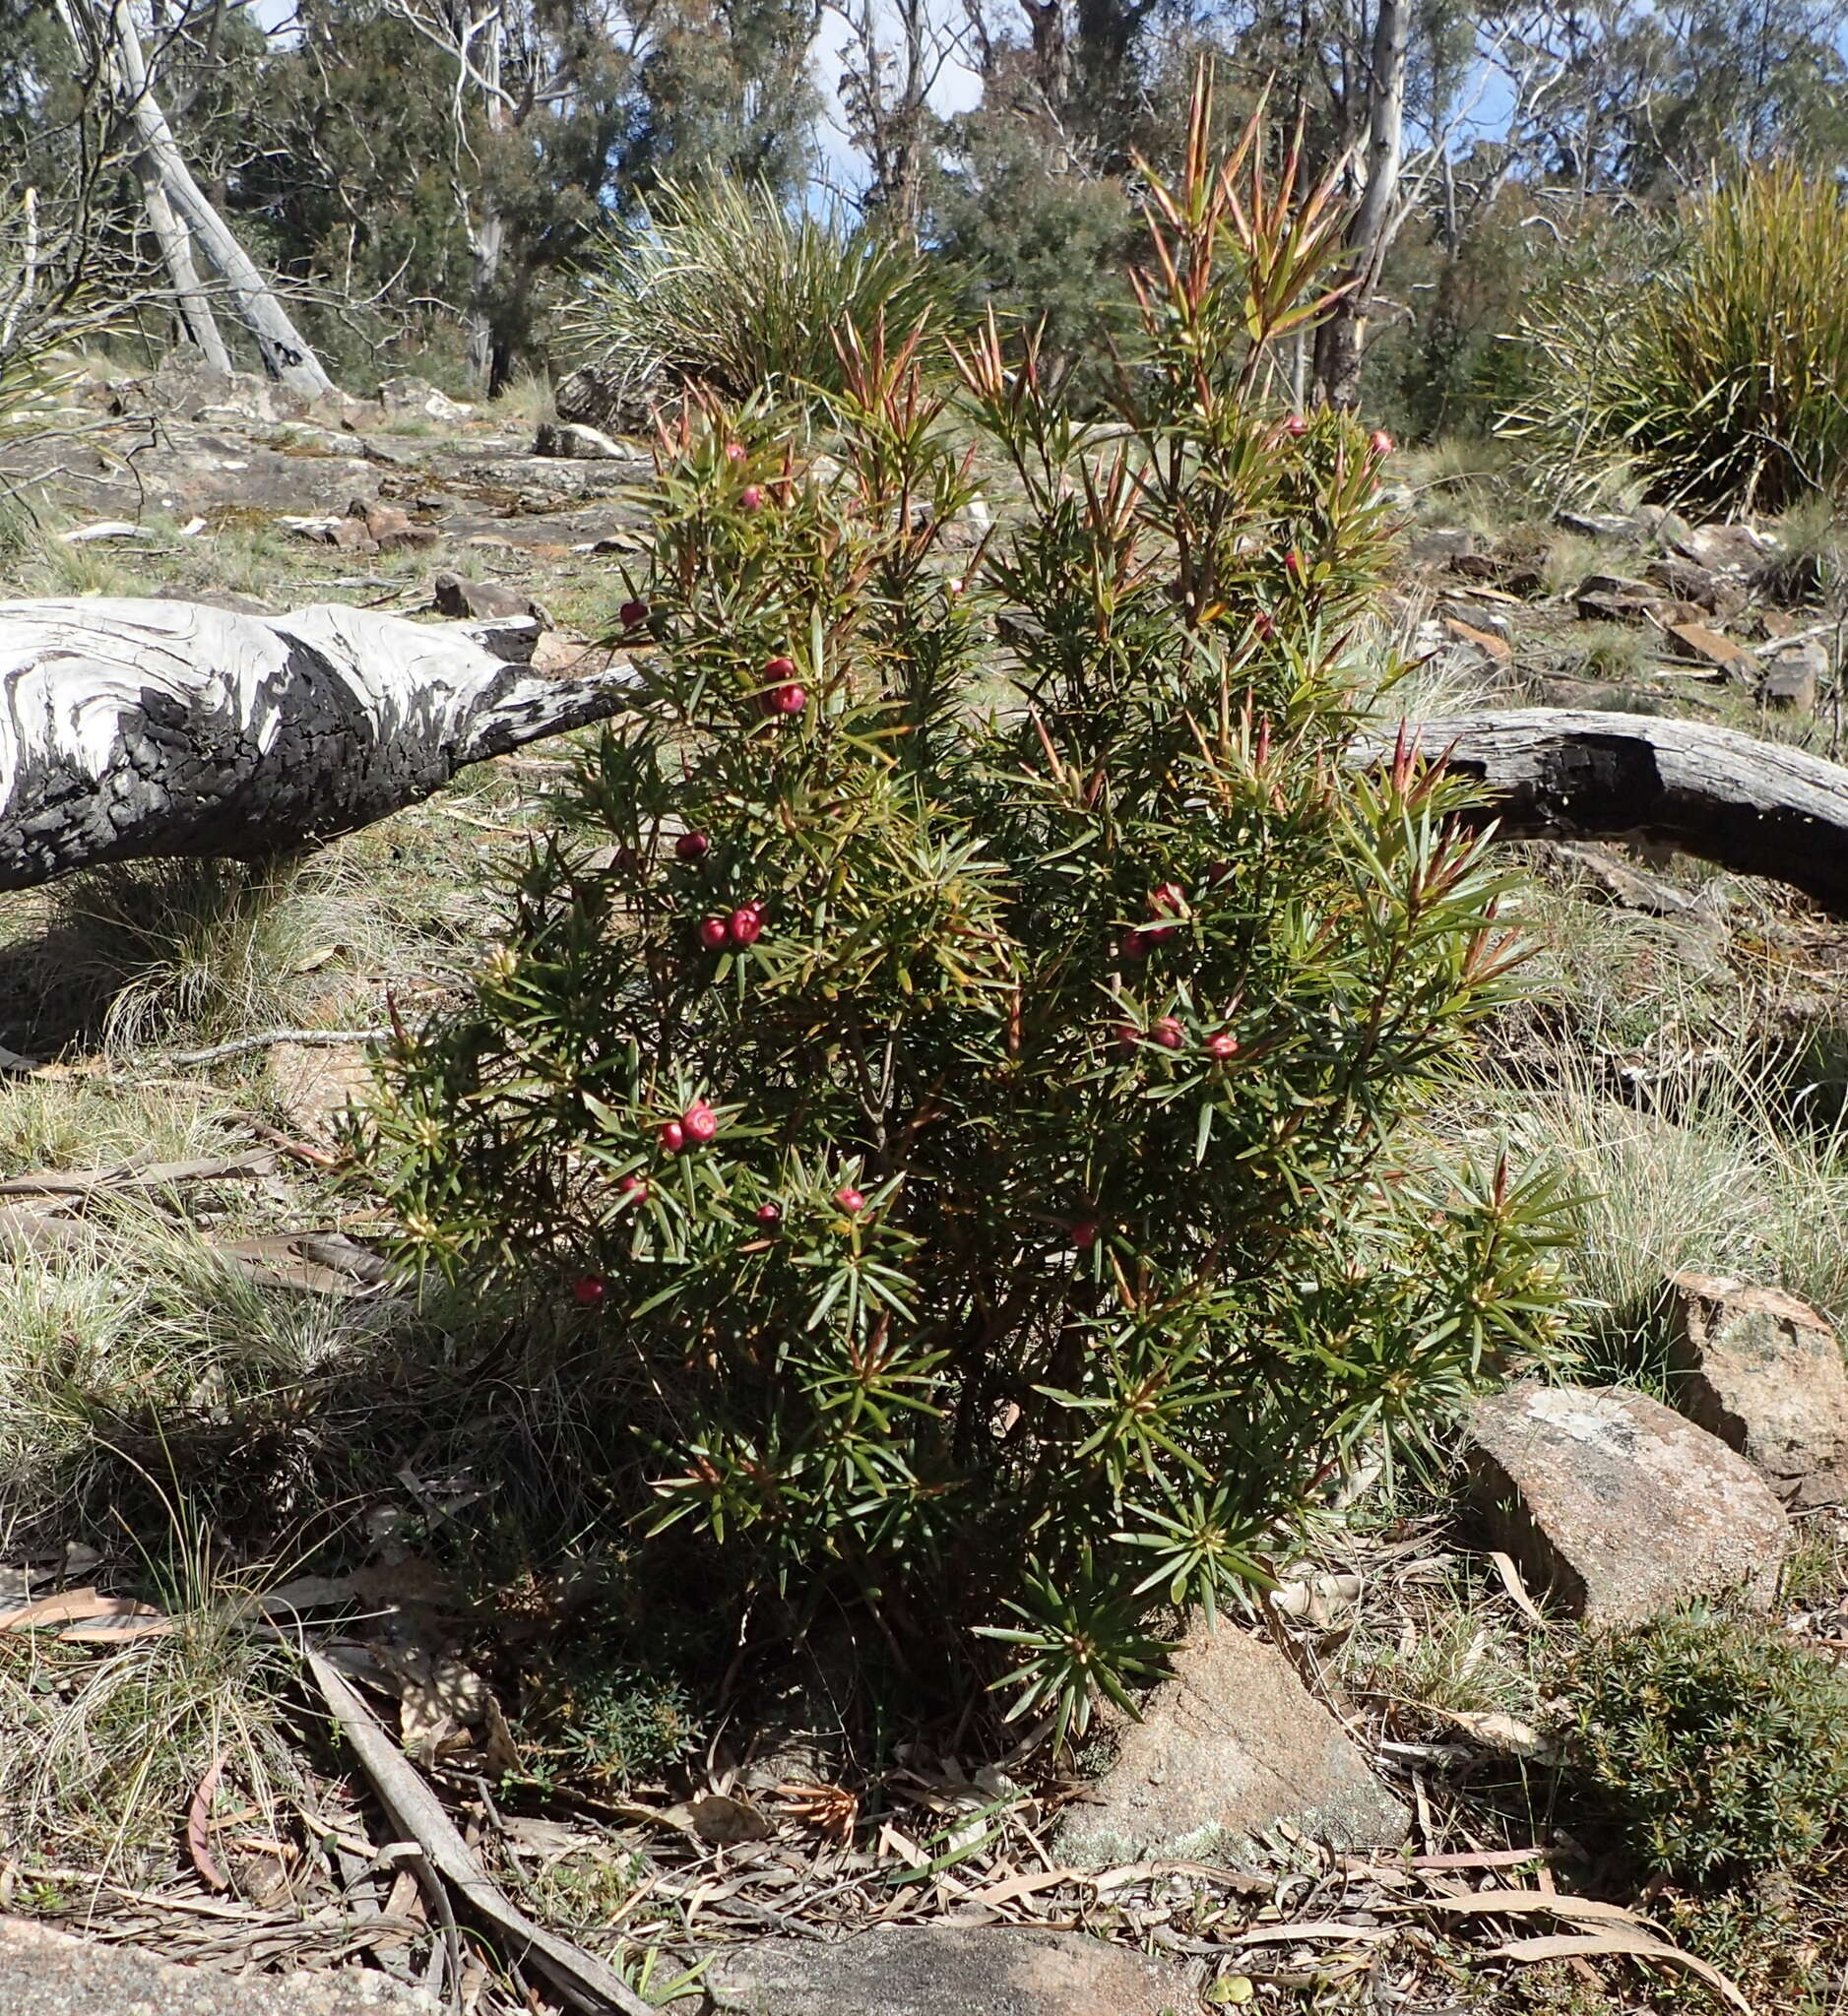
(1296, 426)
(1084, 1234)
(1168, 1032)
(750, 498)
(745, 925)
(671, 1136)
(699, 1123)
(769, 1214)
(1169, 901)
(785, 700)
(634, 1190)
(849, 1198)
(1129, 1034)
(590, 1290)
(777, 670)
(690, 847)
(1135, 944)
(632, 615)
(1222, 1045)
(1293, 564)
(1380, 441)
(735, 451)
(714, 933)
(1217, 873)
(1264, 627)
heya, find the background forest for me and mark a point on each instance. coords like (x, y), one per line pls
(427, 177)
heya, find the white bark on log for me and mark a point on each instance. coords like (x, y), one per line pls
(131, 728)
(1758, 808)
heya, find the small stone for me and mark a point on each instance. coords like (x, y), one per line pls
(1439, 546)
(459, 598)
(1765, 1373)
(1789, 684)
(938, 1970)
(1715, 593)
(1476, 614)
(1597, 524)
(1617, 1506)
(389, 528)
(1228, 1746)
(573, 441)
(1710, 646)
(421, 400)
(1485, 641)
(1612, 598)
(1724, 548)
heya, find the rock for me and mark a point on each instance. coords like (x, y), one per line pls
(1615, 599)
(594, 395)
(1790, 677)
(1439, 546)
(1765, 1373)
(1710, 646)
(46, 1972)
(1519, 578)
(1597, 524)
(461, 599)
(942, 1971)
(573, 441)
(1724, 548)
(417, 399)
(1230, 1745)
(1499, 649)
(315, 1084)
(388, 527)
(1475, 614)
(1716, 593)
(1662, 524)
(1617, 1506)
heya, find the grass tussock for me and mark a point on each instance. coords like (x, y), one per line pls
(1711, 375)
(726, 289)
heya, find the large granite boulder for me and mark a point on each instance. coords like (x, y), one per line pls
(1230, 1745)
(1616, 1506)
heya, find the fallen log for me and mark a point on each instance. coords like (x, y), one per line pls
(1758, 808)
(138, 728)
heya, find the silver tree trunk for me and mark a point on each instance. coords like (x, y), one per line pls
(177, 254)
(131, 728)
(285, 353)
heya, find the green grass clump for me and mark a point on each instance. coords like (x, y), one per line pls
(1711, 374)
(728, 290)
(1713, 1745)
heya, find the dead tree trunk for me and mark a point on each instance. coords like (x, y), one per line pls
(285, 353)
(1341, 338)
(177, 254)
(1758, 808)
(131, 728)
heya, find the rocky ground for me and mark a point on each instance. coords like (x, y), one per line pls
(1343, 1799)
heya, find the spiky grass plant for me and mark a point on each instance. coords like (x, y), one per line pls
(101, 1750)
(725, 288)
(1711, 372)
(207, 947)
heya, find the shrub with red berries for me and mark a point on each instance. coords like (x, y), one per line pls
(985, 1096)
